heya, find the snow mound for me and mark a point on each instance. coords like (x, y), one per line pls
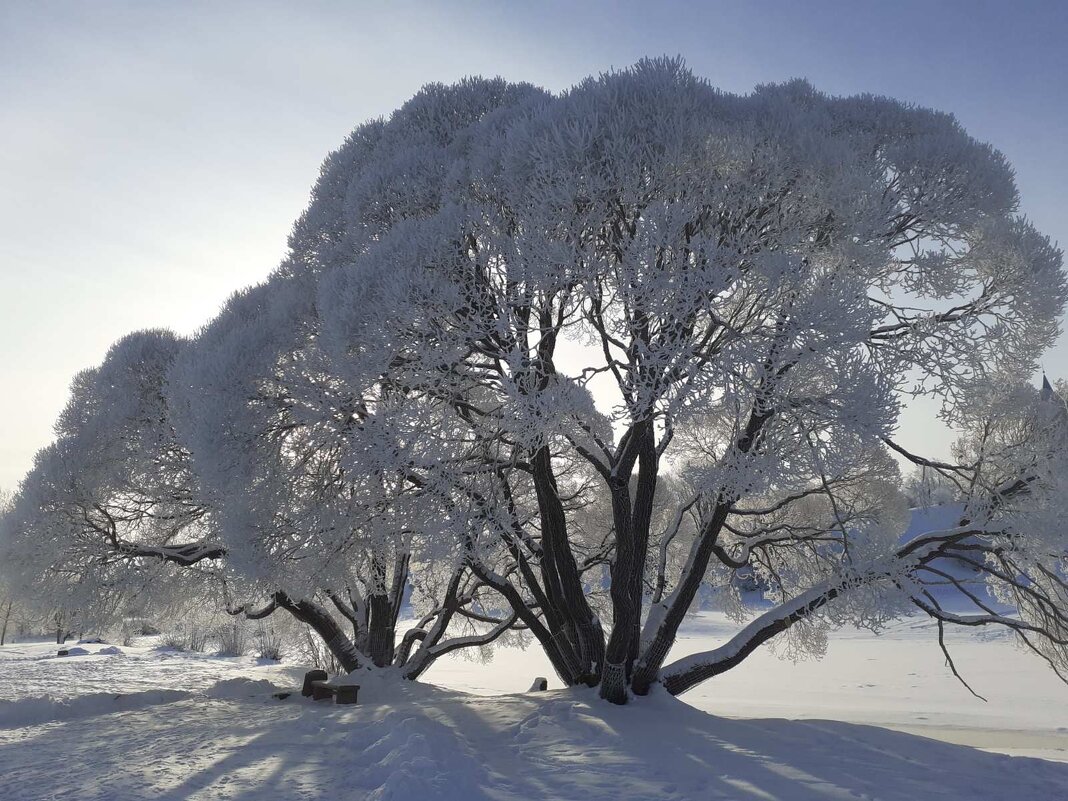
(111, 650)
(560, 745)
(240, 688)
(407, 755)
(74, 651)
(384, 685)
(34, 711)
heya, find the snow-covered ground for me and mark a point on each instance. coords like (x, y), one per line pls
(195, 726)
(898, 679)
(33, 669)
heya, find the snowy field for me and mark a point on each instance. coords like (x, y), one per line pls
(196, 726)
(898, 680)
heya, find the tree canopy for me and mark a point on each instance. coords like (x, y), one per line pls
(566, 362)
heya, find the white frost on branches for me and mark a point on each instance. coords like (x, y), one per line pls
(567, 362)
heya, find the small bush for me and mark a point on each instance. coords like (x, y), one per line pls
(140, 627)
(233, 640)
(310, 649)
(175, 638)
(269, 643)
(127, 633)
(197, 638)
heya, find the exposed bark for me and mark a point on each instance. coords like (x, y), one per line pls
(562, 659)
(7, 618)
(185, 555)
(325, 626)
(691, 671)
(632, 521)
(383, 610)
(665, 620)
(563, 581)
(432, 642)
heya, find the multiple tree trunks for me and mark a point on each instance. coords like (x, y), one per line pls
(711, 246)
(374, 624)
(625, 664)
(325, 626)
(582, 646)
(632, 519)
(572, 635)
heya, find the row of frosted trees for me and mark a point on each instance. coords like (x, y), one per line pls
(556, 367)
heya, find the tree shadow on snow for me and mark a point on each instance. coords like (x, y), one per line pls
(563, 745)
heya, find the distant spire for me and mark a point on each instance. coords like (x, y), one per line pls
(1049, 395)
(1046, 392)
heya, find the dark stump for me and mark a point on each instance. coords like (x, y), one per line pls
(309, 677)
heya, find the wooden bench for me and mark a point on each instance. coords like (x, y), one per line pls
(317, 688)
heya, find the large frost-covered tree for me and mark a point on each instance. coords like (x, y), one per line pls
(549, 305)
(568, 363)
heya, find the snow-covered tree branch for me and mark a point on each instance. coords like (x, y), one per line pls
(565, 364)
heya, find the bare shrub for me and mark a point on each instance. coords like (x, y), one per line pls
(233, 640)
(310, 649)
(269, 643)
(176, 638)
(198, 637)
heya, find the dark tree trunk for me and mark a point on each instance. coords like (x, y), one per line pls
(383, 606)
(562, 658)
(380, 630)
(663, 638)
(325, 626)
(563, 582)
(632, 522)
(681, 681)
(7, 617)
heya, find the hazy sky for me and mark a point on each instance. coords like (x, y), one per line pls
(153, 156)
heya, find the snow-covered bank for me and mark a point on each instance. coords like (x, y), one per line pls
(36, 710)
(898, 679)
(33, 669)
(214, 732)
(450, 746)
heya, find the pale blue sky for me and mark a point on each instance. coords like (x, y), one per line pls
(153, 156)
